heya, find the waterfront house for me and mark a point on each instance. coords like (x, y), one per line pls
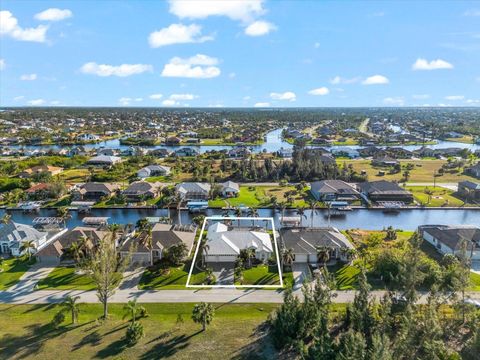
(41, 191)
(193, 191)
(308, 243)
(383, 190)
(13, 234)
(172, 140)
(153, 170)
(94, 191)
(183, 152)
(225, 244)
(229, 189)
(103, 160)
(469, 190)
(384, 161)
(474, 170)
(40, 169)
(333, 190)
(285, 153)
(142, 190)
(448, 239)
(107, 152)
(239, 152)
(164, 236)
(88, 137)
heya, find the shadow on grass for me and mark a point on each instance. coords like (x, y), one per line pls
(92, 339)
(169, 347)
(259, 347)
(112, 349)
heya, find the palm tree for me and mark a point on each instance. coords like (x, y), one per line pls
(178, 199)
(132, 309)
(70, 304)
(301, 213)
(312, 204)
(282, 206)
(253, 212)
(203, 250)
(113, 228)
(27, 246)
(323, 254)
(148, 241)
(5, 219)
(248, 254)
(75, 250)
(62, 213)
(238, 213)
(209, 275)
(203, 313)
(288, 256)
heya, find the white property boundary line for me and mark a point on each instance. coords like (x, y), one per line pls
(233, 286)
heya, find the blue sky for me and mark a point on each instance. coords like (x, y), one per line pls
(239, 53)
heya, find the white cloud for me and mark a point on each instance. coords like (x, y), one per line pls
(126, 101)
(156, 96)
(198, 66)
(232, 75)
(28, 77)
(421, 96)
(375, 80)
(183, 97)
(340, 80)
(261, 104)
(472, 101)
(472, 12)
(259, 28)
(246, 98)
(3, 64)
(241, 10)
(53, 14)
(423, 64)
(169, 102)
(454, 97)
(177, 34)
(288, 96)
(9, 27)
(55, 102)
(395, 101)
(319, 91)
(36, 102)
(111, 70)
(18, 98)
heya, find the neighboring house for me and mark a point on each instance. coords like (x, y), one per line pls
(333, 190)
(103, 160)
(474, 170)
(385, 191)
(172, 140)
(285, 153)
(224, 245)
(54, 250)
(193, 191)
(384, 161)
(229, 189)
(40, 169)
(239, 152)
(346, 152)
(469, 190)
(94, 191)
(153, 170)
(164, 236)
(183, 152)
(41, 191)
(448, 239)
(107, 152)
(141, 190)
(306, 243)
(162, 152)
(13, 234)
(88, 137)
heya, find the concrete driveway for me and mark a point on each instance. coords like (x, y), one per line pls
(31, 277)
(223, 273)
(300, 273)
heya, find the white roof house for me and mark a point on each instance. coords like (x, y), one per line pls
(224, 245)
(104, 160)
(153, 170)
(13, 234)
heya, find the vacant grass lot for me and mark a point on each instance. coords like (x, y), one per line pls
(234, 333)
(65, 278)
(423, 171)
(440, 196)
(258, 196)
(74, 175)
(175, 278)
(12, 270)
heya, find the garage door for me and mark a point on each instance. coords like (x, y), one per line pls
(300, 258)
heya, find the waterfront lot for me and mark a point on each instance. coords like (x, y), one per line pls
(438, 197)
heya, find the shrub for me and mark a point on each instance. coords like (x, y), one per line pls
(134, 333)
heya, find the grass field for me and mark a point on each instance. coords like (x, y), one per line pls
(261, 275)
(234, 333)
(440, 196)
(422, 172)
(175, 279)
(74, 175)
(258, 196)
(12, 270)
(65, 278)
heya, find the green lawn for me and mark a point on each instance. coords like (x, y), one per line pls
(345, 275)
(174, 279)
(261, 275)
(475, 280)
(258, 196)
(440, 196)
(25, 333)
(12, 271)
(64, 278)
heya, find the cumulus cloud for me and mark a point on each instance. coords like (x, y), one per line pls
(424, 64)
(28, 77)
(183, 96)
(261, 104)
(198, 66)
(177, 34)
(3, 64)
(240, 10)
(320, 91)
(9, 27)
(169, 102)
(472, 101)
(454, 97)
(36, 102)
(375, 80)
(288, 96)
(111, 70)
(259, 28)
(53, 14)
(126, 101)
(18, 98)
(156, 96)
(394, 101)
(340, 80)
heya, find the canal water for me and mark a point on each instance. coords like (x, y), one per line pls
(273, 142)
(359, 218)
